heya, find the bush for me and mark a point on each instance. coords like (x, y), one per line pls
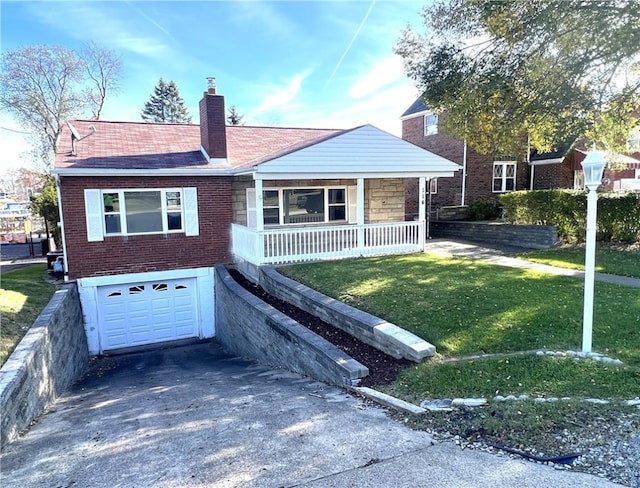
(618, 213)
(484, 210)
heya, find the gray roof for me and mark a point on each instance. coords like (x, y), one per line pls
(416, 107)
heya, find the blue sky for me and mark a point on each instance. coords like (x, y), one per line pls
(301, 64)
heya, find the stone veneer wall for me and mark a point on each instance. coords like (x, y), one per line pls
(249, 327)
(50, 357)
(528, 236)
(384, 200)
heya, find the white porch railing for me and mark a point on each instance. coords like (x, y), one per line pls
(290, 245)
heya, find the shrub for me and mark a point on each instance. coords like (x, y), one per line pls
(484, 210)
(618, 214)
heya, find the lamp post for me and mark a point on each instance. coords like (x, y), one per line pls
(593, 167)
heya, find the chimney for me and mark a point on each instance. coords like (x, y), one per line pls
(213, 132)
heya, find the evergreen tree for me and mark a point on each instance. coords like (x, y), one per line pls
(234, 117)
(166, 105)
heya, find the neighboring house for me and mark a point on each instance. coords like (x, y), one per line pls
(148, 210)
(485, 177)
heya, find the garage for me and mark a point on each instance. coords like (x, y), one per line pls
(146, 313)
(160, 307)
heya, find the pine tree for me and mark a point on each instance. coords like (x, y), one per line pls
(166, 105)
(234, 117)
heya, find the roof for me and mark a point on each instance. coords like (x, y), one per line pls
(141, 145)
(558, 153)
(416, 107)
(125, 148)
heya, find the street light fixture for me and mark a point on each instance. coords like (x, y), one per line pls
(593, 167)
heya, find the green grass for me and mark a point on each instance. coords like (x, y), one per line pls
(468, 307)
(23, 294)
(611, 261)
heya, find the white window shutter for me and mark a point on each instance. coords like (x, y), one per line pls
(93, 209)
(190, 202)
(251, 208)
(352, 201)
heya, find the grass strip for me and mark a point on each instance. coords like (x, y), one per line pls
(23, 295)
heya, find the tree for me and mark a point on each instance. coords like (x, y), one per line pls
(234, 117)
(44, 86)
(45, 204)
(544, 70)
(165, 105)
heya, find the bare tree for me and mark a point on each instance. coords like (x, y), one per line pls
(43, 86)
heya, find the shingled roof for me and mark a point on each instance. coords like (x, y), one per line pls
(138, 145)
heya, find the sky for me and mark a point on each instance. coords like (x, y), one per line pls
(292, 64)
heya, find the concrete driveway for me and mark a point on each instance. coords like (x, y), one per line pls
(194, 416)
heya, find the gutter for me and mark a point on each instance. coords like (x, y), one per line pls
(61, 224)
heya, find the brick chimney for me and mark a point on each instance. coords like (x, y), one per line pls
(213, 133)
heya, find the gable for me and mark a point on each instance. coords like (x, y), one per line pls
(362, 152)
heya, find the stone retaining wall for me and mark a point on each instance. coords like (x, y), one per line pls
(531, 236)
(370, 329)
(249, 327)
(50, 357)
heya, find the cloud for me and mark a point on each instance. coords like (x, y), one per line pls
(281, 97)
(386, 71)
(14, 145)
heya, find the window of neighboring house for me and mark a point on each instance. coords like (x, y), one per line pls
(128, 212)
(633, 142)
(433, 186)
(638, 174)
(304, 205)
(504, 176)
(578, 180)
(430, 124)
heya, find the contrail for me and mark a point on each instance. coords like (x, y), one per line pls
(146, 17)
(353, 39)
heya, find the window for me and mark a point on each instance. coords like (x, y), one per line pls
(430, 124)
(128, 212)
(433, 186)
(304, 205)
(578, 180)
(504, 176)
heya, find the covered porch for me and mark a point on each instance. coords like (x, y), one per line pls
(341, 198)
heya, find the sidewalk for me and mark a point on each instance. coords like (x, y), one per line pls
(499, 255)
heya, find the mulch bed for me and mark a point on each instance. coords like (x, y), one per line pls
(383, 369)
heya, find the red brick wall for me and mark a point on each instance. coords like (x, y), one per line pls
(213, 125)
(551, 176)
(133, 254)
(479, 169)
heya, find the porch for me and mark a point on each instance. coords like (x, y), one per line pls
(297, 244)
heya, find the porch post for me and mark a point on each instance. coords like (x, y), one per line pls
(259, 222)
(360, 212)
(422, 189)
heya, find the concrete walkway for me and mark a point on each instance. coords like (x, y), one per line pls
(500, 255)
(195, 416)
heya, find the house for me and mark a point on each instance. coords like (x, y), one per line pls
(147, 210)
(484, 177)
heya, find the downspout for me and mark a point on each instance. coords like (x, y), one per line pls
(64, 236)
(529, 161)
(464, 172)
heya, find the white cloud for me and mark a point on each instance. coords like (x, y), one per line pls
(14, 146)
(386, 71)
(281, 97)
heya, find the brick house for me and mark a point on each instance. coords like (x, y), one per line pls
(484, 177)
(148, 209)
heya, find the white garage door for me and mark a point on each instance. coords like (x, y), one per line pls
(134, 314)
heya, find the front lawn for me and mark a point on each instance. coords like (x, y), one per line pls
(467, 307)
(611, 261)
(24, 293)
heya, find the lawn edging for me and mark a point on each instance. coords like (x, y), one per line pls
(48, 359)
(372, 330)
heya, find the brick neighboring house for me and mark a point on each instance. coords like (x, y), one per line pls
(147, 210)
(489, 176)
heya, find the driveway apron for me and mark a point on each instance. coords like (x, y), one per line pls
(195, 416)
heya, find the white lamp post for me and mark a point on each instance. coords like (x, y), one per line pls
(593, 167)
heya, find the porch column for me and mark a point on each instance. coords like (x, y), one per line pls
(360, 212)
(422, 189)
(259, 222)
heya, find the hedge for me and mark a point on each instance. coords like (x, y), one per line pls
(618, 213)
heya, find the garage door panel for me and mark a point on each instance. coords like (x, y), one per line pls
(144, 313)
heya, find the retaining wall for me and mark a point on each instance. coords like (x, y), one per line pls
(251, 328)
(528, 236)
(370, 329)
(50, 357)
